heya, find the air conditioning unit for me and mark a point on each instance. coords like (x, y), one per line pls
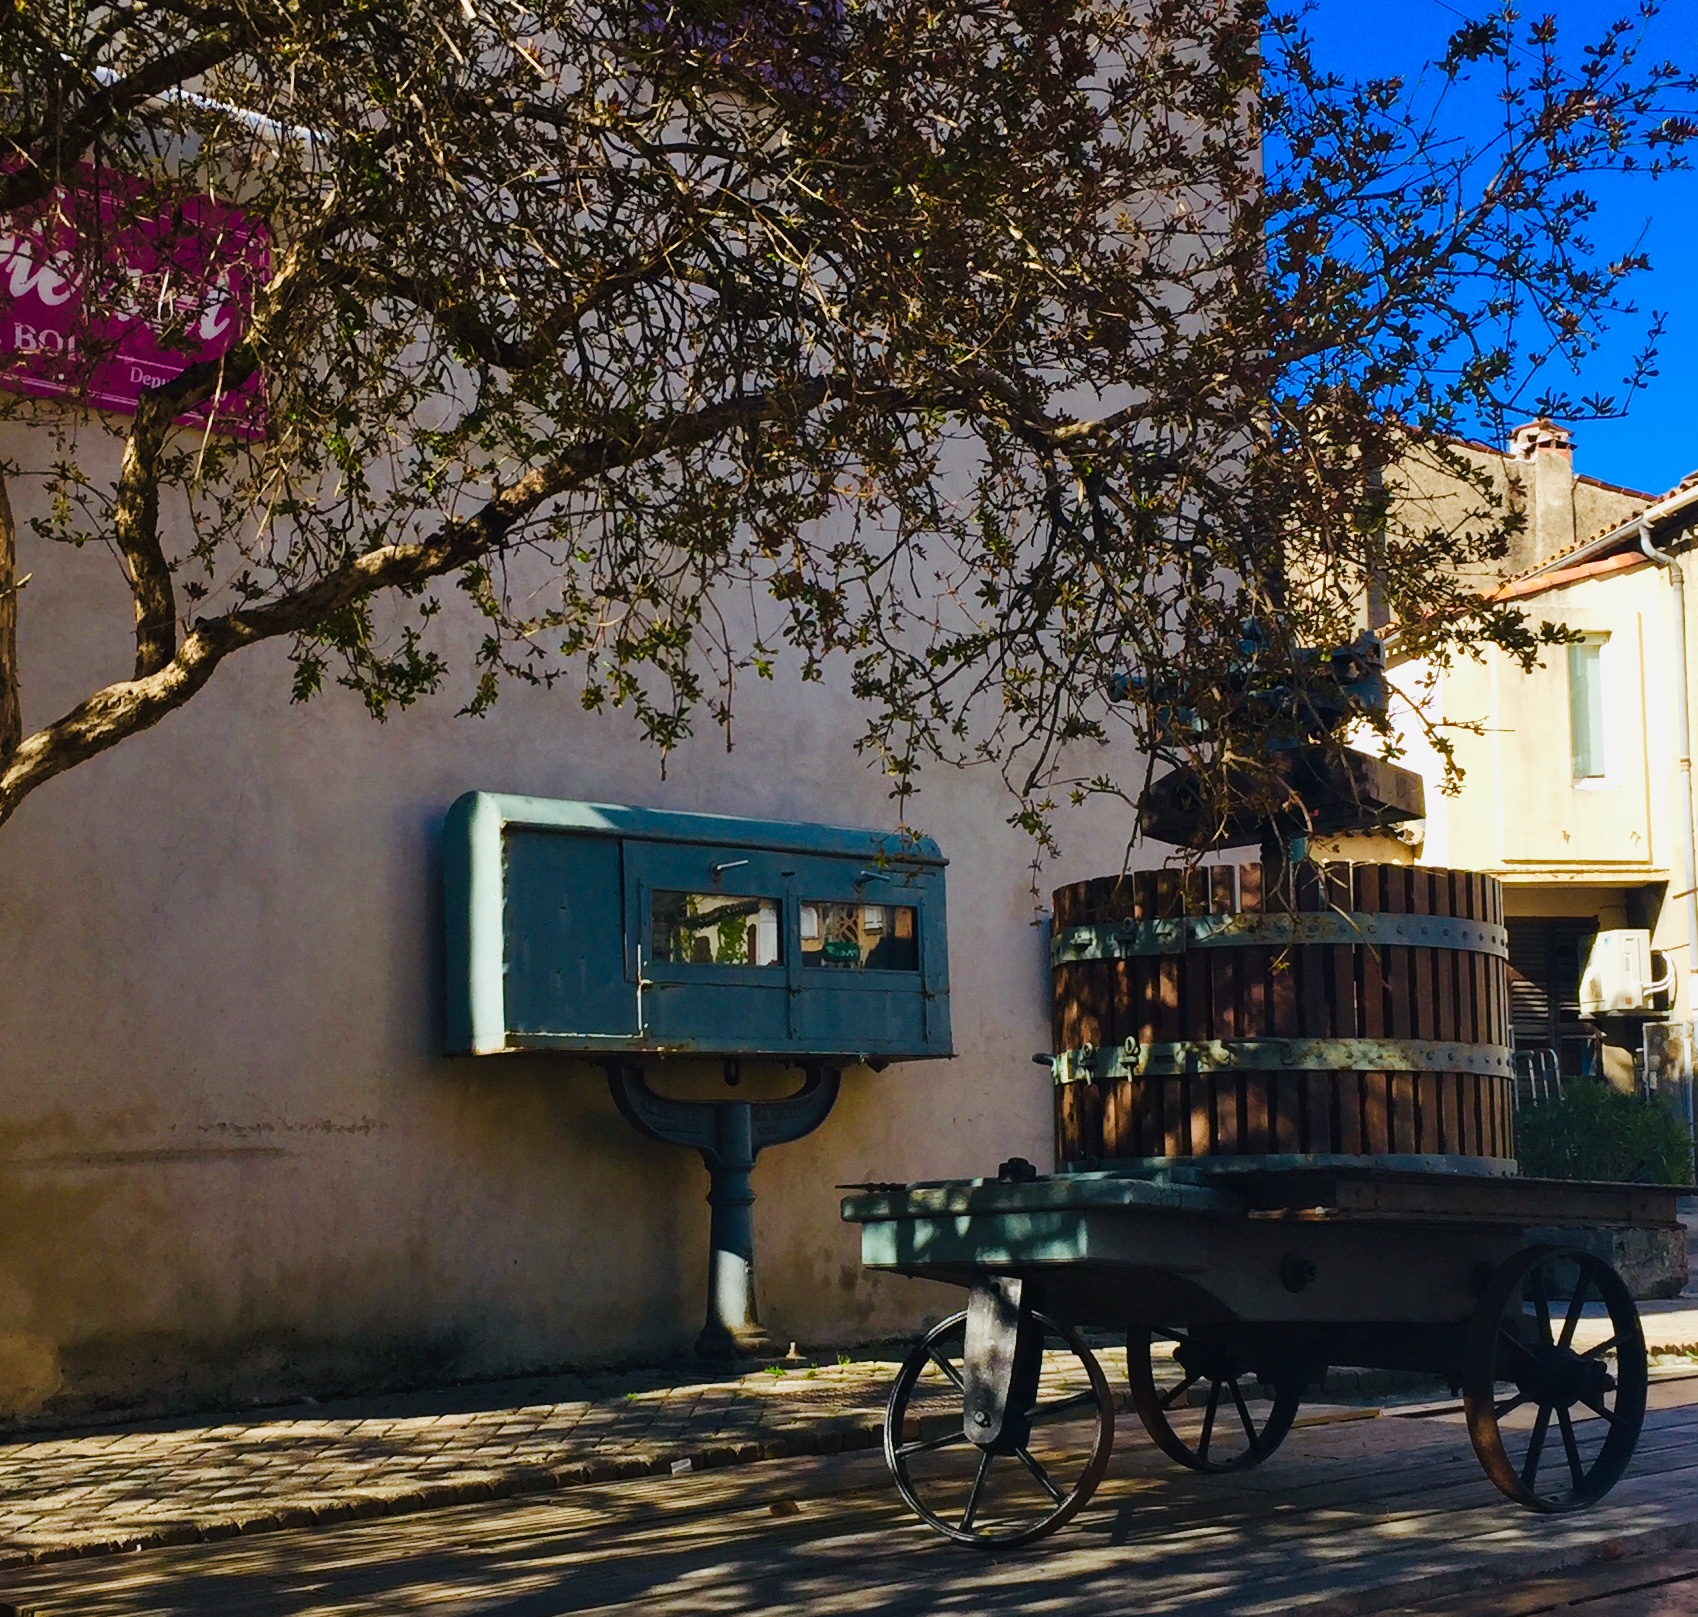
(1622, 976)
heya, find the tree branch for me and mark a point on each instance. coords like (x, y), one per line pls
(135, 527)
(107, 107)
(11, 711)
(123, 709)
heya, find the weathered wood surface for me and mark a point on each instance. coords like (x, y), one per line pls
(1358, 1195)
(1353, 1515)
(1310, 991)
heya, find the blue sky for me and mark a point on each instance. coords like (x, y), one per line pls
(1656, 443)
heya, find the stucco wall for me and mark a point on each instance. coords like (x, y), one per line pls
(233, 1164)
(1604, 849)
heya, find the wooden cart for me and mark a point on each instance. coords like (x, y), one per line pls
(1286, 1139)
(1261, 1276)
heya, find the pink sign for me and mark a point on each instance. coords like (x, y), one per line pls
(109, 290)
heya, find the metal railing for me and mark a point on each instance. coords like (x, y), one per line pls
(1538, 1075)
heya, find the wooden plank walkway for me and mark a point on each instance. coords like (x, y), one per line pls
(1355, 1514)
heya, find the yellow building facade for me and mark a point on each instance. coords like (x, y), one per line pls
(1573, 792)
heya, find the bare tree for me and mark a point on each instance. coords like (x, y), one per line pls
(1039, 360)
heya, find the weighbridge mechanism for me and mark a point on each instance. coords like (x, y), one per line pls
(649, 944)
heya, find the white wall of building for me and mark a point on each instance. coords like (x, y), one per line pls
(233, 1163)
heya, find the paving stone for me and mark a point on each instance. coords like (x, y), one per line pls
(116, 1487)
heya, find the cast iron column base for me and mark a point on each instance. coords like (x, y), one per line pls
(729, 1134)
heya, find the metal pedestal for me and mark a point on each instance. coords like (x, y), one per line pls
(729, 1134)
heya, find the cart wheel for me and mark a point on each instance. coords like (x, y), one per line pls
(1231, 1438)
(1522, 1372)
(997, 1497)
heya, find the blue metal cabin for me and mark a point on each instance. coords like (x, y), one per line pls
(590, 927)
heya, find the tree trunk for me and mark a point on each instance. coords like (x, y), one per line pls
(11, 711)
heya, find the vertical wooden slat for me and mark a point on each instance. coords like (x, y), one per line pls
(1465, 903)
(1160, 1135)
(1253, 968)
(1483, 964)
(1111, 1097)
(1468, 1087)
(1282, 993)
(1146, 1017)
(1376, 1112)
(1219, 1094)
(1396, 963)
(1118, 902)
(1084, 1101)
(1428, 1105)
(1193, 975)
(1172, 1142)
(1423, 1013)
(1403, 1111)
(1497, 975)
(1321, 1088)
(1470, 1140)
(1429, 1112)
(1362, 1007)
(1349, 1138)
(1447, 1118)
(1285, 1102)
(1253, 1132)
(1148, 984)
(1444, 959)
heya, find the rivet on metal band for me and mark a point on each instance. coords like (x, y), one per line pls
(1121, 940)
(1194, 1056)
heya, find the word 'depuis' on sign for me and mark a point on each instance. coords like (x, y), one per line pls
(109, 289)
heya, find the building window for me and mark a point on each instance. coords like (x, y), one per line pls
(1586, 707)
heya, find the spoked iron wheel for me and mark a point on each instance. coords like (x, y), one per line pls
(1555, 1399)
(1037, 1477)
(1238, 1429)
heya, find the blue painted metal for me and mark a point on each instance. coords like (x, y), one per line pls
(729, 1134)
(550, 944)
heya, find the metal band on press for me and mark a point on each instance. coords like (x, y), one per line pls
(1122, 940)
(1173, 1060)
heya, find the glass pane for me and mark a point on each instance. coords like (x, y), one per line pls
(714, 929)
(877, 937)
(1586, 708)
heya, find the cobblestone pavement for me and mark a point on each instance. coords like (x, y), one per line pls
(108, 1489)
(113, 1488)
(1361, 1511)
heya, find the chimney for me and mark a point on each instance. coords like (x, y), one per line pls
(1547, 452)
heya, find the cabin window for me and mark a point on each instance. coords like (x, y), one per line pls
(1586, 708)
(713, 929)
(872, 937)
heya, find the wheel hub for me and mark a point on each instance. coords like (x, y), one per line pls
(1560, 1376)
(1210, 1361)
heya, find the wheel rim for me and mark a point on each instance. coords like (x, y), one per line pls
(1237, 1430)
(1555, 1415)
(987, 1499)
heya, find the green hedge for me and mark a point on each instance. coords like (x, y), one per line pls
(1595, 1132)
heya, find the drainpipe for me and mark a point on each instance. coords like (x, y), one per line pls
(1683, 739)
